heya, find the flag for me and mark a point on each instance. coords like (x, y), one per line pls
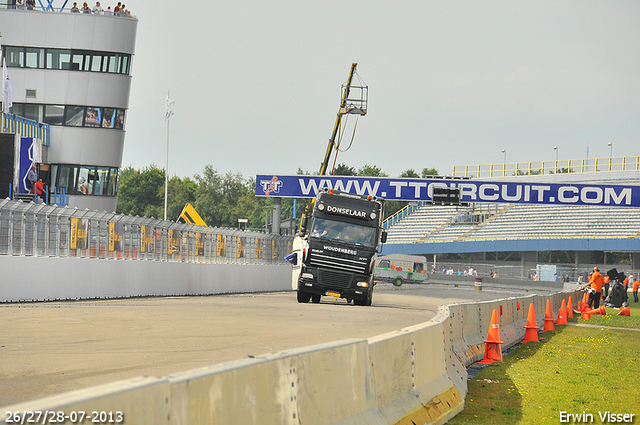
(8, 91)
(169, 110)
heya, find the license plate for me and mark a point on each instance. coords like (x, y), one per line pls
(333, 294)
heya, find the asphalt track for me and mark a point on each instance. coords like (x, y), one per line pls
(53, 347)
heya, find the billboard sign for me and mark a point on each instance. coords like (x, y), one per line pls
(405, 189)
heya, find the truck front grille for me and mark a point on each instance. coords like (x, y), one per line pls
(334, 279)
(323, 260)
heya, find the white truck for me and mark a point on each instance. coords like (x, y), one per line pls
(400, 268)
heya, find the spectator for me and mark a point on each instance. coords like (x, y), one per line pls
(635, 290)
(85, 8)
(596, 281)
(32, 177)
(40, 190)
(97, 9)
(607, 282)
(108, 12)
(75, 9)
(30, 4)
(19, 4)
(116, 10)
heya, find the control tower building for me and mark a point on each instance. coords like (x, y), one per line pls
(72, 71)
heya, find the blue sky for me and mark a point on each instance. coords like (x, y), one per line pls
(257, 84)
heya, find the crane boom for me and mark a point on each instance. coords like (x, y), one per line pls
(336, 127)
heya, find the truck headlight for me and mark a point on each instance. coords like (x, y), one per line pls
(362, 284)
(307, 275)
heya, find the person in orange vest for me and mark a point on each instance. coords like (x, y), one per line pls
(635, 290)
(625, 283)
(595, 281)
(606, 286)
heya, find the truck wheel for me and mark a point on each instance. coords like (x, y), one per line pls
(315, 298)
(397, 281)
(369, 299)
(303, 297)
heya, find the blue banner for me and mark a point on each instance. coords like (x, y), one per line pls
(28, 158)
(404, 189)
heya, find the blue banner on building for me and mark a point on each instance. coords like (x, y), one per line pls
(30, 154)
(403, 189)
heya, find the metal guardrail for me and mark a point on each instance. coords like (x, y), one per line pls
(26, 127)
(588, 165)
(42, 230)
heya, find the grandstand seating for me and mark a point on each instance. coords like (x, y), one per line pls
(430, 223)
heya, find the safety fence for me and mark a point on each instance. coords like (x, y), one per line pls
(42, 230)
(26, 128)
(586, 165)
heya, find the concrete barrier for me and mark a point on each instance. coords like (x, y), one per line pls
(141, 400)
(413, 375)
(54, 278)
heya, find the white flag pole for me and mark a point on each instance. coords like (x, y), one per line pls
(167, 115)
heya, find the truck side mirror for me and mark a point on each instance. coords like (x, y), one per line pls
(383, 238)
(303, 224)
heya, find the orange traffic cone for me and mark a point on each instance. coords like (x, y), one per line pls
(585, 302)
(492, 349)
(625, 311)
(562, 314)
(585, 315)
(570, 308)
(531, 333)
(548, 318)
(600, 310)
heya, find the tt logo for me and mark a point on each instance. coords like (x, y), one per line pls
(271, 186)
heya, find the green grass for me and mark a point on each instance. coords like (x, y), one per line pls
(572, 369)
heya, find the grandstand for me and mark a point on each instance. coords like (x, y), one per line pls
(528, 228)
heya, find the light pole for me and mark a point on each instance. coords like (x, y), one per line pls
(610, 144)
(555, 148)
(504, 151)
(504, 164)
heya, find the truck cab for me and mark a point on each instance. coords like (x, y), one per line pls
(337, 247)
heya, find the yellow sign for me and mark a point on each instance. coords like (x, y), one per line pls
(240, 247)
(115, 237)
(146, 238)
(174, 241)
(221, 245)
(200, 244)
(258, 250)
(274, 250)
(190, 216)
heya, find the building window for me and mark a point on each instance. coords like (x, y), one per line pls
(85, 180)
(34, 58)
(66, 59)
(15, 56)
(72, 116)
(54, 114)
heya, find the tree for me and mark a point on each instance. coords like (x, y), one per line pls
(429, 172)
(181, 192)
(528, 173)
(371, 171)
(344, 170)
(409, 173)
(141, 192)
(218, 196)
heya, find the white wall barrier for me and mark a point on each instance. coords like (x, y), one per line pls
(54, 278)
(413, 375)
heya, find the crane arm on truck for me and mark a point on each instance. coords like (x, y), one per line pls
(354, 101)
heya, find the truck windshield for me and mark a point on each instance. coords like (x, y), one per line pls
(347, 232)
